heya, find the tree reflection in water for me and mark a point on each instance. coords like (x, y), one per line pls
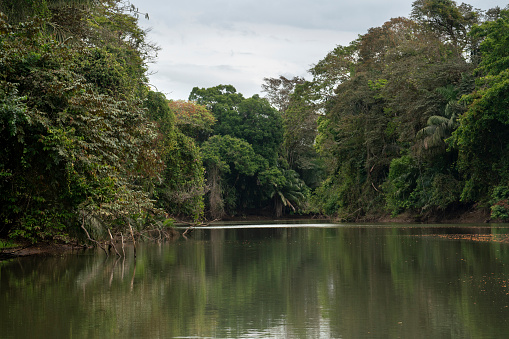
(296, 282)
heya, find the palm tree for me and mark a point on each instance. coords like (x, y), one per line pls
(290, 194)
(440, 127)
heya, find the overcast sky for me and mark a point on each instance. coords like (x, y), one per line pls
(206, 43)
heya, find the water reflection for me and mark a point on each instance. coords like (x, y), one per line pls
(338, 281)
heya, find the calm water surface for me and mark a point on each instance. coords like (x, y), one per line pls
(269, 281)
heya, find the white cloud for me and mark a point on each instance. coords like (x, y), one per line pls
(241, 55)
(239, 42)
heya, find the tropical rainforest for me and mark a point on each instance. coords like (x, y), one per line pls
(411, 117)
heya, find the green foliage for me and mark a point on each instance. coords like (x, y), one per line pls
(247, 138)
(78, 144)
(285, 188)
(401, 183)
(343, 194)
(12, 111)
(418, 187)
(482, 137)
(440, 127)
(261, 126)
(394, 91)
(7, 243)
(326, 198)
(192, 119)
(300, 122)
(493, 47)
(230, 154)
(379, 127)
(106, 71)
(294, 100)
(181, 190)
(41, 224)
(280, 91)
(227, 158)
(500, 203)
(219, 99)
(18, 11)
(445, 190)
(252, 120)
(158, 111)
(446, 18)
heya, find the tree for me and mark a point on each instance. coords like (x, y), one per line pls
(440, 127)
(448, 20)
(181, 189)
(252, 119)
(77, 151)
(260, 125)
(279, 91)
(19, 11)
(300, 123)
(227, 155)
(386, 87)
(295, 100)
(356, 136)
(285, 188)
(193, 120)
(335, 68)
(482, 137)
(181, 193)
(255, 122)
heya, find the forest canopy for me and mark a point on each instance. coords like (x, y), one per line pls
(410, 117)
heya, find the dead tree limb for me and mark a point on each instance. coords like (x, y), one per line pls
(113, 244)
(191, 225)
(90, 238)
(132, 236)
(122, 239)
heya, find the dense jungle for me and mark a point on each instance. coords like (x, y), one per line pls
(410, 119)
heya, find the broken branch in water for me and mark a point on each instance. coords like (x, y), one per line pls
(191, 225)
(90, 238)
(112, 243)
(132, 236)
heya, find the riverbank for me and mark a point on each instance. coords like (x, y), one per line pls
(39, 249)
(473, 216)
(55, 248)
(469, 216)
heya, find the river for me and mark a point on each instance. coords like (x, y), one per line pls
(274, 280)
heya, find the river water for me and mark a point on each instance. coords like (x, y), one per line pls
(307, 280)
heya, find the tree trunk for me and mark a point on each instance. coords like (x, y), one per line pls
(278, 207)
(216, 201)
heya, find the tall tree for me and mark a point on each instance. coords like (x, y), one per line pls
(279, 91)
(447, 20)
(180, 192)
(193, 120)
(18, 11)
(440, 127)
(387, 86)
(77, 149)
(295, 99)
(255, 122)
(227, 155)
(482, 136)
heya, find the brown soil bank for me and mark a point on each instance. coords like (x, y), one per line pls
(48, 249)
(469, 216)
